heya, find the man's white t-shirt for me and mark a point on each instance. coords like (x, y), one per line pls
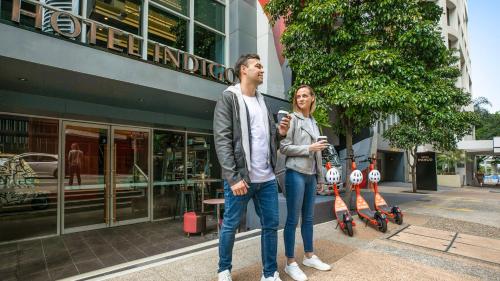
(261, 169)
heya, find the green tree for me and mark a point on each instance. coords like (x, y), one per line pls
(367, 59)
(488, 126)
(446, 161)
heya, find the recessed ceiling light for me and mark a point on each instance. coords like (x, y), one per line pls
(105, 18)
(22, 79)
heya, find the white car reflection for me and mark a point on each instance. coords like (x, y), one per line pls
(43, 164)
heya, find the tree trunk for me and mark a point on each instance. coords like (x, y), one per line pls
(414, 169)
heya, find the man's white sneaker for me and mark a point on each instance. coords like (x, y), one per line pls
(294, 271)
(225, 275)
(315, 262)
(276, 277)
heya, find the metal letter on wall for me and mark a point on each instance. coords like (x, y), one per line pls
(17, 11)
(55, 25)
(426, 171)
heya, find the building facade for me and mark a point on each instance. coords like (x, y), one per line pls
(106, 107)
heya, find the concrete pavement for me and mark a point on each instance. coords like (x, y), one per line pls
(467, 214)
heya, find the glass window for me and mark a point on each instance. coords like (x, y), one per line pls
(210, 13)
(180, 6)
(6, 12)
(28, 191)
(167, 29)
(168, 171)
(208, 44)
(121, 14)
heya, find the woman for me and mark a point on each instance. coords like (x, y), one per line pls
(303, 172)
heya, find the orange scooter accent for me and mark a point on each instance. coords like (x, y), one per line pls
(344, 218)
(374, 218)
(393, 213)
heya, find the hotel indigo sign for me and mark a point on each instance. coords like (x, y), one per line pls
(161, 54)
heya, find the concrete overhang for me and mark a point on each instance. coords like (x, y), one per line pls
(477, 146)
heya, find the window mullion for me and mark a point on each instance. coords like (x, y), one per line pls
(145, 27)
(191, 28)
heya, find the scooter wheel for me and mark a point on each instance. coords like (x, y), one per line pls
(398, 218)
(382, 225)
(348, 225)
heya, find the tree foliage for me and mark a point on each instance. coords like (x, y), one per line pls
(366, 59)
(488, 126)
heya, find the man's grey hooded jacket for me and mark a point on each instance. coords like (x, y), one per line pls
(233, 138)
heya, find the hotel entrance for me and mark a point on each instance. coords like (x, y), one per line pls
(105, 176)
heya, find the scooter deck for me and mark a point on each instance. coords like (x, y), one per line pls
(367, 213)
(385, 209)
(363, 208)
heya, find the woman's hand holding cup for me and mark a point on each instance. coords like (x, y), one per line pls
(320, 144)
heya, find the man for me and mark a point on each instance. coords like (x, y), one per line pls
(246, 144)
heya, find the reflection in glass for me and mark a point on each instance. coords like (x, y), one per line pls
(202, 175)
(180, 6)
(86, 163)
(131, 175)
(168, 165)
(167, 29)
(121, 14)
(208, 44)
(210, 13)
(28, 188)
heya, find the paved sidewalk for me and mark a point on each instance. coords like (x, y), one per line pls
(371, 255)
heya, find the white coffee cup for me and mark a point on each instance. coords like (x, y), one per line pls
(322, 138)
(281, 115)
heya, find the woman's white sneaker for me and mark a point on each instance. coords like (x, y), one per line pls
(225, 275)
(315, 262)
(294, 271)
(275, 277)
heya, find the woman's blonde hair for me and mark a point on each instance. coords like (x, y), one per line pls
(313, 104)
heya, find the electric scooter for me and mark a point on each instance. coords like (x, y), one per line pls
(394, 213)
(344, 218)
(374, 218)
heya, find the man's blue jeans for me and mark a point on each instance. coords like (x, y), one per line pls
(265, 199)
(300, 193)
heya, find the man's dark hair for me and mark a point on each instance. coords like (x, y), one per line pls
(243, 60)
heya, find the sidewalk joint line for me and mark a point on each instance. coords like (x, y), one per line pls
(397, 232)
(452, 241)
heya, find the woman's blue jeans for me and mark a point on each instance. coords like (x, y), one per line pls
(300, 193)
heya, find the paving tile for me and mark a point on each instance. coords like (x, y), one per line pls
(37, 276)
(478, 241)
(8, 260)
(83, 254)
(102, 250)
(486, 254)
(110, 260)
(9, 271)
(422, 241)
(34, 244)
(31, 267)
(30, 254)
(53, 242)
(424, 231)
(63, 272)
(8, 248)
(89, 265)
(60, 260)
(132, 254)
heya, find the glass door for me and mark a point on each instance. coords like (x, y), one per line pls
(130, 175)
(86, 192)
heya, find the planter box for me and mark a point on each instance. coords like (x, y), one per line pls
(450, 180)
